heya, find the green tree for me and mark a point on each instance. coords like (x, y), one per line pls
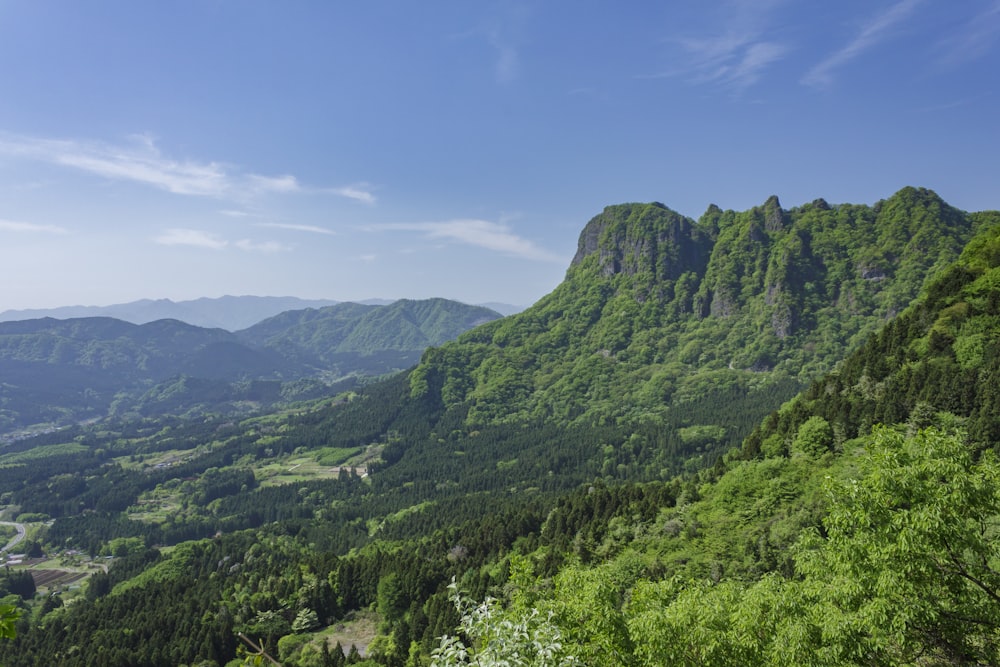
(814, 437)
(8, 617)
(911, 564)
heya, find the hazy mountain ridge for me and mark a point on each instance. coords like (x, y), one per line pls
(227, 312)
(231, 313)
(90, 361)
(327, 336)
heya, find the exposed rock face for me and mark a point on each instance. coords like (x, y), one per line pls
(589, 238)
(775, 218)
(773, 267)
(870, 272)
(650, 239)
(723, 304)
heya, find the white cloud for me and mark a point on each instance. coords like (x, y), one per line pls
(358, 191)
(280, 184)
(202, 239)
(261, 246)
(141, 161)
(871, 34)
(297, 228)
(755, 58)
(191, 237)
(480, 233)
(735, 54)
(30, 228)
(974, 40)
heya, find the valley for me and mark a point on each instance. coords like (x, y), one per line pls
(761, 437)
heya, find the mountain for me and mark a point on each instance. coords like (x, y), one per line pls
(378, 339)
(942, 353)
(231, 313)
(54, 371)
(855, 526)
(661, 318)
(227, 312)
(581, 469)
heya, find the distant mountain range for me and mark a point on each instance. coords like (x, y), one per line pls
(231, 313)
(57, 371)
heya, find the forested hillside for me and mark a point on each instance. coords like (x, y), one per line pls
(611, 473)
(56, 372)
(352, 337)
(659, 313)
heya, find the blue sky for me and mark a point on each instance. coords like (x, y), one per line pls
(352, 150)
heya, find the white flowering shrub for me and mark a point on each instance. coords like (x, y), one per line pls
(498, 640)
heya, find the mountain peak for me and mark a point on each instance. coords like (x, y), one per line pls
(633, 239)
(775, 218)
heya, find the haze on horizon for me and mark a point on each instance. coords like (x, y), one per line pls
(395, 150)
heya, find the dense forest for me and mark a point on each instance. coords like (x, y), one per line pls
(760, 438)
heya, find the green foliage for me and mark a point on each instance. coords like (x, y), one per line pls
(8, 618)
(530, 640)
(910, 567)
(907, 573)
(815, 437)
(944, 351)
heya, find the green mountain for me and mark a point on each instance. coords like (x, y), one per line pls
(661, 316)
(60, 371)
(226, 312)
(357, 338)
(55, 371)
(582, 469)
(856, 526)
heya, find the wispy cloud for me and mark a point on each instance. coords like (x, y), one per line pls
(870, 35)
(974, 39)
(280, 184)
(191, 237)
(261, 246)
(29, 228)
(358, 191)
(141, 161)
(506, 67)
(297, 228)
(480, 233)
(735, 54)
(503, 32)
(201, 239)
(753, 61)
(946, 106)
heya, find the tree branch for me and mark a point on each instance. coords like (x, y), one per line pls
(258, 650)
